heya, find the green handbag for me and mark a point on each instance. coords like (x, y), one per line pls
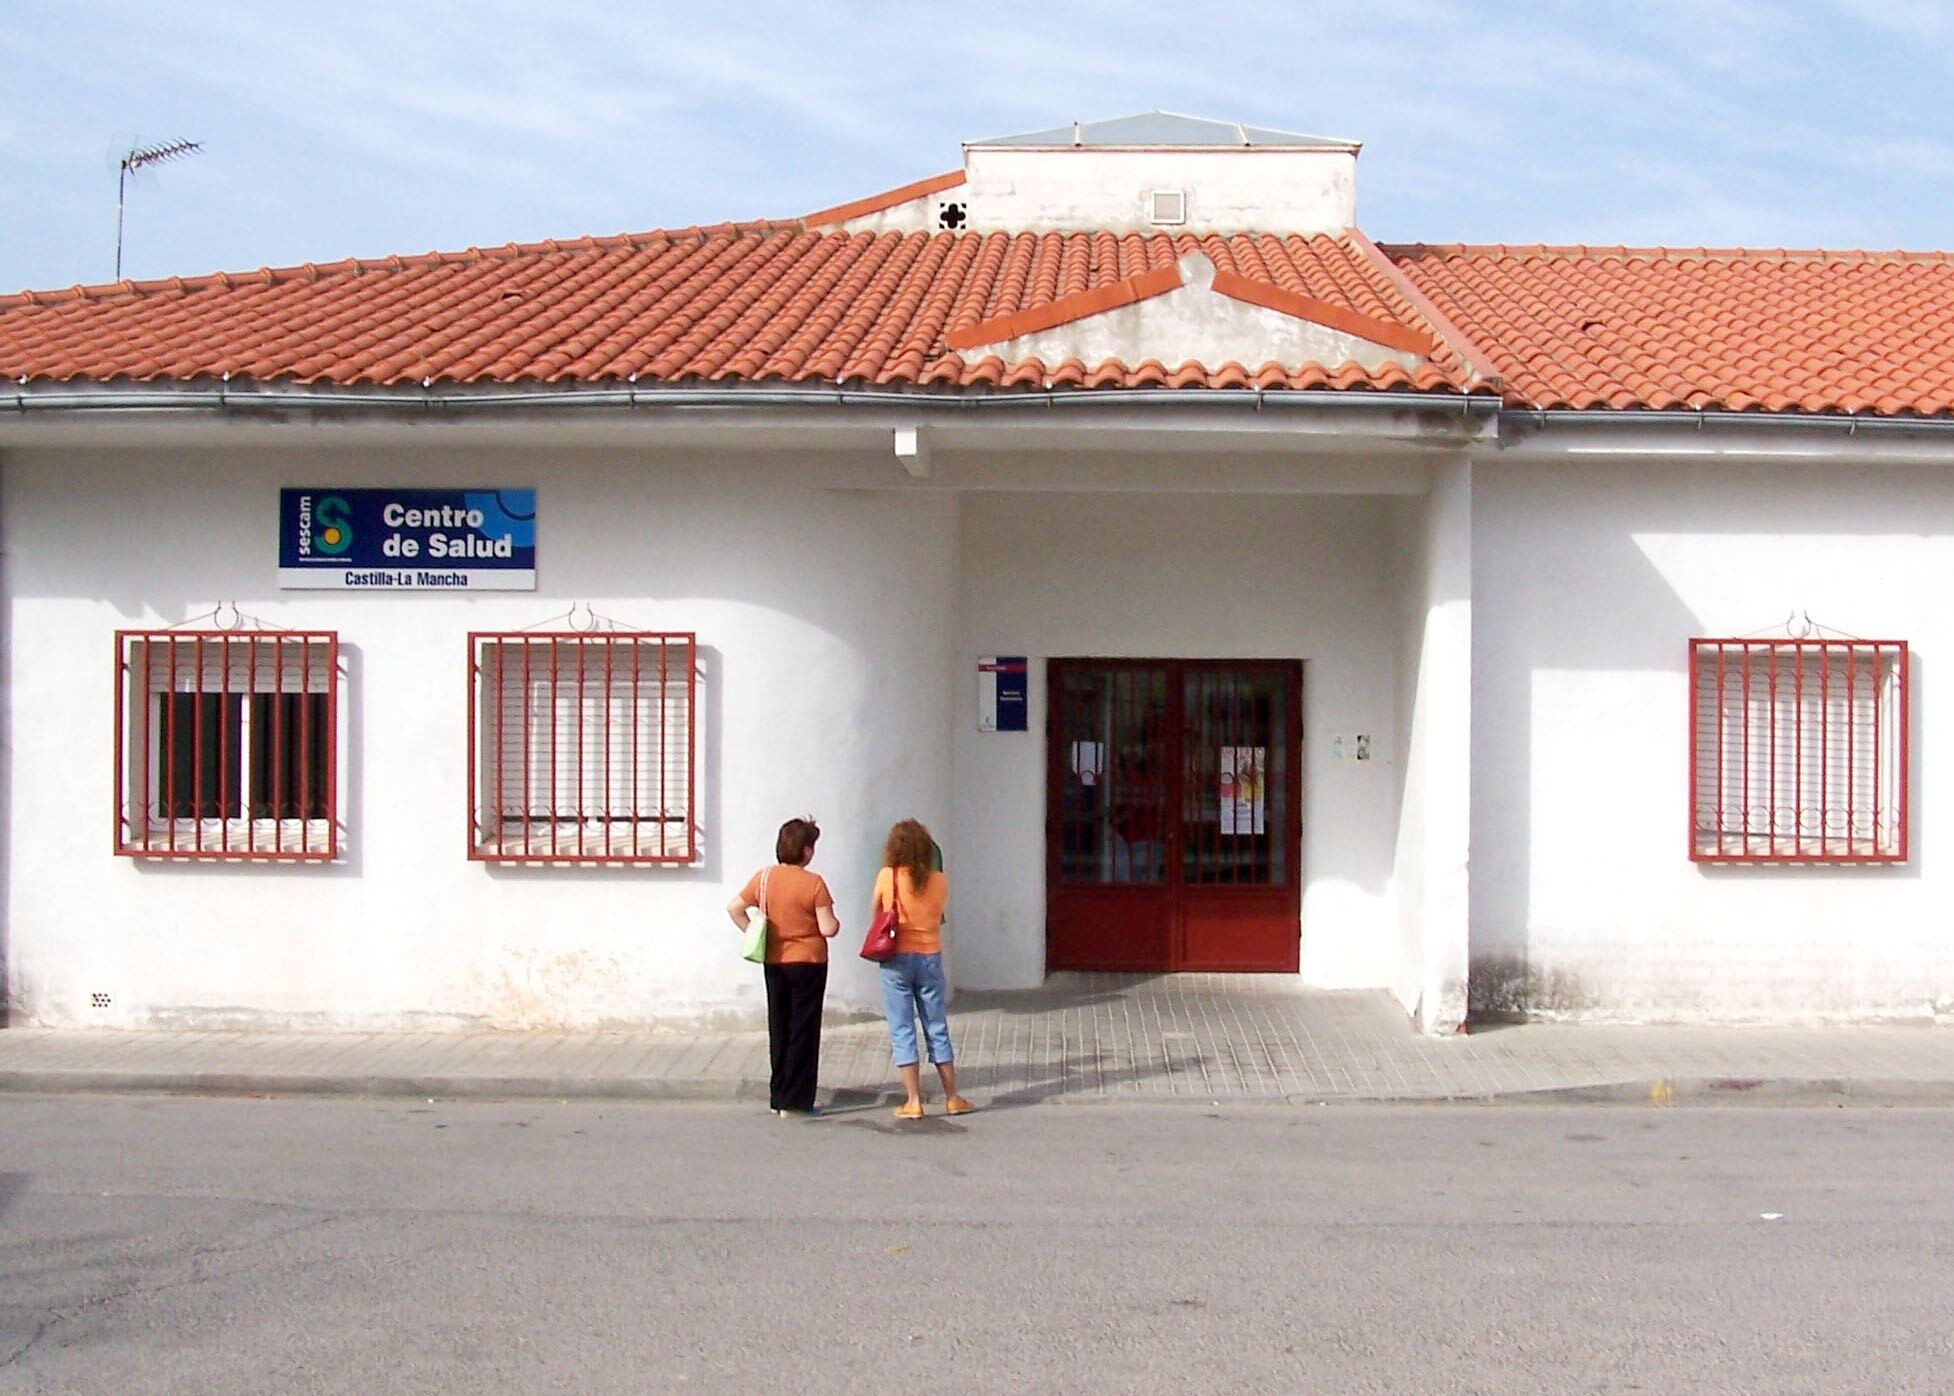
(755, 946)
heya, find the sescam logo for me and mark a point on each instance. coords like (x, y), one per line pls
(333, 525)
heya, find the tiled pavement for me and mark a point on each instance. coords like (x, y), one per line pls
(1082, 1037)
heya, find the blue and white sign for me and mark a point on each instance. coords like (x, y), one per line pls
(407, 540)
(1002, 702)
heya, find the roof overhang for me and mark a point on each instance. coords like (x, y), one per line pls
(1098, 422)
(1057, 422)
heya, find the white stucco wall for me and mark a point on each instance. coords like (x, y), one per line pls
(1268, 189)
(1589, 581)
(822, 694)
(1178, 576)
(841, 607)
(1432, 547)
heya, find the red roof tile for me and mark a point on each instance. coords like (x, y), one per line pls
(1727, 329)
(753, 302)
(1067, 308)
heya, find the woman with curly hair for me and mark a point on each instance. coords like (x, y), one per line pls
(912, 982)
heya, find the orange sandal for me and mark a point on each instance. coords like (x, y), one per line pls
(903, 1112)
(957, 1105)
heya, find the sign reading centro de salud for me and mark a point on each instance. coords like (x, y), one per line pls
(407, 540)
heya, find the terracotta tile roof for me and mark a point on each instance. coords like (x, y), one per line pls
(753, 302)
(1569, 327)
(1724, 329)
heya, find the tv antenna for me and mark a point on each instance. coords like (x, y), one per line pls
(140, 157)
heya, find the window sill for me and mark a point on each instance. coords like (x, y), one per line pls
(1736, 848)
(570, 843)
(235, 840)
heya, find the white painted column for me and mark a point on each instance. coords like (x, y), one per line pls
(1434, 720)
(1448, 807)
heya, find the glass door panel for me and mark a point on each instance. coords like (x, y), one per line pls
(1113, 799)
(1235, 796)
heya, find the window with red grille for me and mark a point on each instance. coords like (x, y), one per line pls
(582, 747)
(226, 744)
(1798, 751)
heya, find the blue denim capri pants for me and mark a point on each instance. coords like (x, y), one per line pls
(912, 988)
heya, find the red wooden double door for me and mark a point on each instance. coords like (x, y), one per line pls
(1173, 815)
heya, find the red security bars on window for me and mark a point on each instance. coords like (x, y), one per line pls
(226, 744)
(1798, 751)
(582, 747)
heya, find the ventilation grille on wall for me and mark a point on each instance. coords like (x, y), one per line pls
(1167, 208)
(98, 1000)
(952, 214)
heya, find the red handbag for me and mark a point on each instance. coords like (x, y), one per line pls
(879, 944)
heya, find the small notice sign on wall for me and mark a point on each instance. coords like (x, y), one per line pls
(407, 540)
(1003, 704)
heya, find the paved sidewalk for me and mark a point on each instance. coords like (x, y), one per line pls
(1082, 1038)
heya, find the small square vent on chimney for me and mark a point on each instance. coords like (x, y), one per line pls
(1167, 208)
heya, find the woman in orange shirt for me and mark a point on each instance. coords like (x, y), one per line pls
(801, 921)
(912, 982)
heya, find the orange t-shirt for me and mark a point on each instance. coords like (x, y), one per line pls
(921, 913)
(793, 895)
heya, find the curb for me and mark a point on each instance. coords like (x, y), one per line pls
(379, 1087)
(1740, 1090)
(1659, 1092)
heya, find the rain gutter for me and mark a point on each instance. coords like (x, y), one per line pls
(427, 399)
(1540, 436)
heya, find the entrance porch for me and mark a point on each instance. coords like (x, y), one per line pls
(1247, 745)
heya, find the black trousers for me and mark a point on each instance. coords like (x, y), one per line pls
(794, 994)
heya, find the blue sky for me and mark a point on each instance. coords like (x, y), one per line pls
(369, 129)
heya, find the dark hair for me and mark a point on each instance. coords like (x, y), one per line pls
(797, 838)
(911, 847)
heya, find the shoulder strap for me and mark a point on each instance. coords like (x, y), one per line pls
(763, 890)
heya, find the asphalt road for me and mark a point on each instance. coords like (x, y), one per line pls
(300, 1246)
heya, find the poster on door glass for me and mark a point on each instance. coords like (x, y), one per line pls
(1244, 789)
